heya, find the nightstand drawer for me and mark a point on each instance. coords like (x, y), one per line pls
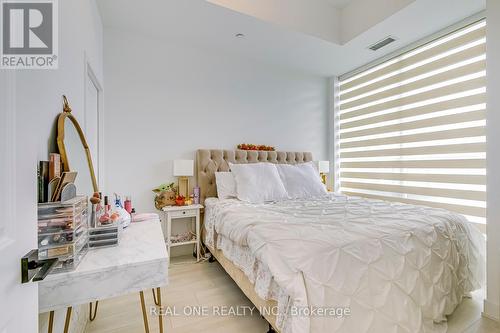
(183, 213)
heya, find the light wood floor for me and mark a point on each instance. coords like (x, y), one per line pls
(206, 284)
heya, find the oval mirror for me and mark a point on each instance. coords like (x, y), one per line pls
(75, 152)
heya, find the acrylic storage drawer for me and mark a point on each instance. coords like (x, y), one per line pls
(70, 207)
(60, 237)
(102, 230)
(104, 236)
(63, 251)
(103, 243)
(62, 216)
(63, 232)
(70, 263)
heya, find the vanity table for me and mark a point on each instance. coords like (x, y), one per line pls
(138, 263)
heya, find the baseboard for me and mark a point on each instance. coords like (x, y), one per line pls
(491, 310)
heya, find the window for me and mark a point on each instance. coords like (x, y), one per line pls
(412, 129)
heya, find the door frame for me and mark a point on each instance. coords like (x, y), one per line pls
(89, 73)
(19, 305)
(8, 128)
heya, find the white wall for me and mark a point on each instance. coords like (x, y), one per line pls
(164, 101)
(39, 92)
(38, 102)
(491, 304)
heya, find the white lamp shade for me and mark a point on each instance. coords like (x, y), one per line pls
(183, 168)
(324, 166)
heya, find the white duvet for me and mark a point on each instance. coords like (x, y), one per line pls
(395, 267)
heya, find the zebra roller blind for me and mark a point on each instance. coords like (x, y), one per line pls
(412, 129)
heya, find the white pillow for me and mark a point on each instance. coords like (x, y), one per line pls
(258, 182)
(301, 180)
(226, 186)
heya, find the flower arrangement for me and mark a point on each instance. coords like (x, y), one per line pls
(180, 200)
(248, 146)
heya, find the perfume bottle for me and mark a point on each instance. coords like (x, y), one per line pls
(196, 195)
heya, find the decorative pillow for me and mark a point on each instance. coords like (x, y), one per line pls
(258, 182)
(301, 180)
(226, 186)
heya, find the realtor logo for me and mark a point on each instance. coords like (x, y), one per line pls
(29, 34)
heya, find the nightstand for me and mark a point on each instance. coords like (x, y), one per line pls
(173, 213)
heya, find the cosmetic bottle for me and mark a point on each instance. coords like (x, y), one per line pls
(196, 194)
(99, 205)
(128, 204)
(106, 204)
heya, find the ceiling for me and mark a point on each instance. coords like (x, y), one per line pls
(339, 3)
(205, 25)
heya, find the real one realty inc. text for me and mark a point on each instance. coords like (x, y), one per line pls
(243, 310)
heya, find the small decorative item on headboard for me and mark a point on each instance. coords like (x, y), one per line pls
(249, 146)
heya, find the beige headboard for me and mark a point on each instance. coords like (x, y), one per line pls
(209, 161)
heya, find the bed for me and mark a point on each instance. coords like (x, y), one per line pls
(338, 263)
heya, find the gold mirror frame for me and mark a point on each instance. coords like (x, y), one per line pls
(66, 114)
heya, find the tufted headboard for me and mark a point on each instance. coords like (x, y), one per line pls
(209, 161)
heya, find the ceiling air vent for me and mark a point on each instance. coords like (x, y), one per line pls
(382, 43)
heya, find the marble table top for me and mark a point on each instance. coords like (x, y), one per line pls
(139, 262)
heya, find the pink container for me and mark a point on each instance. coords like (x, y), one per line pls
(127, 204)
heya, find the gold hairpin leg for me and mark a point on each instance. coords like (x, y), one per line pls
(51, 321)
(154, 296)
(160, 315)
(92, 316)
(144, 314)
(68, 319)
(66, 322)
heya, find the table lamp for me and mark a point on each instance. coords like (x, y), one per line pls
(183, 169)
(324, 169)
